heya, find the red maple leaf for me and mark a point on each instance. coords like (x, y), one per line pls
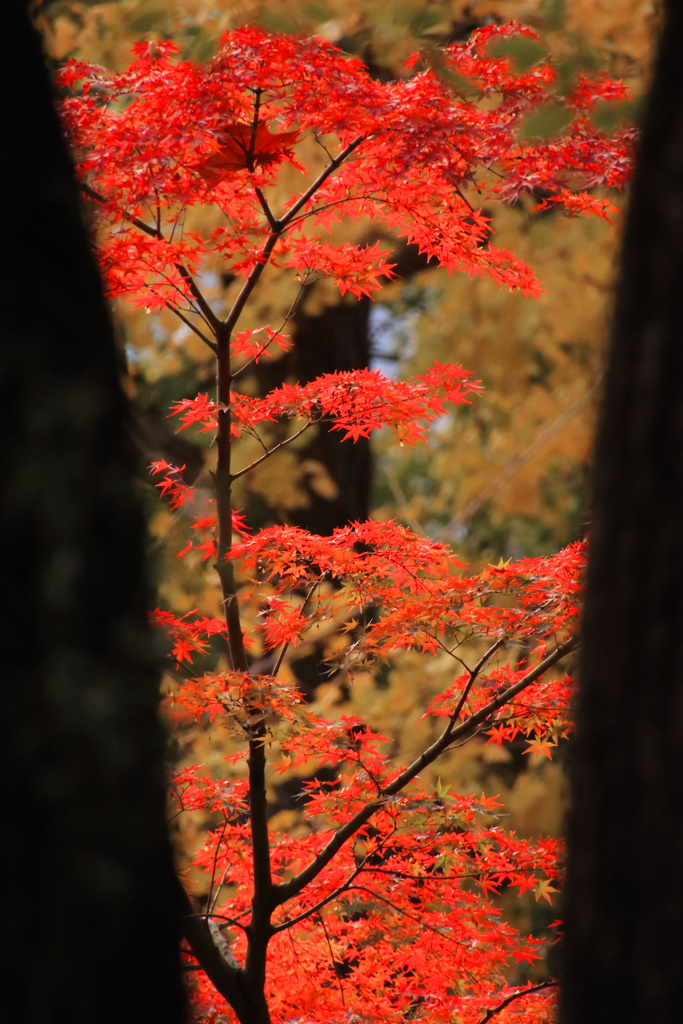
(244, 147)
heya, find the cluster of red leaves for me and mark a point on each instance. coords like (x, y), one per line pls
(397, 591)
(167, 134)
(400, 923)
(240, 699)
(254, 342)
(404, 909)
(190, 636)
(353, 268)
(355, 401)
(402, 917)
(182, 496)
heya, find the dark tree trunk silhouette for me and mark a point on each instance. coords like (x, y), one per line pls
(623, 956)
(339, 339)
(89, 913)
(336, 339)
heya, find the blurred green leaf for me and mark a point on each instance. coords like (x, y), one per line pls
(609, 115)
(424, 20)
(145, 22)
(204, 48)
(555, 11)
(547, 121)
(272, 22)
(317, 12)
(459, 84)
(523, 51)
(584, 59)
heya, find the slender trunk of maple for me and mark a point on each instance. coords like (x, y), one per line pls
(89, 910)
(223, 492)
(259, 931)
(624, 897)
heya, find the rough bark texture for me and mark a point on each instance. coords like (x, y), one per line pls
(624, 900)
(89, 908)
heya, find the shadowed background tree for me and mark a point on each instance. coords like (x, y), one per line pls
(88, 916)
(624, 898)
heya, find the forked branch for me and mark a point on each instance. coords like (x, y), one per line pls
(155, 232)
(452, 733)
(344, 887)
(306, 196)
(271, 451)
(213, 953)
(516, 995)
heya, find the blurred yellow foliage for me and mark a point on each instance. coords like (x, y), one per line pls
(506, 476)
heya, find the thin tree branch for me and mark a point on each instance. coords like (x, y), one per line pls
(286, 890)
(281, 656)
(214, 956)
(215, 862)
(258, 92)
(291, 213)
(473, 675)
(332, 959)
(464, 198)
(211, 318)
(188, 323)
(277, 230)
(140, 224)
(516, 995)
(322, 903)
(269, 215)
(251, 281)
(400, 498)
(271, 451)
(474, 721)
(472, 506)
(441, 932)
(210, 916)
(288, 316)
(325, 206)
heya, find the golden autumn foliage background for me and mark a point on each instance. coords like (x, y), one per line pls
(504, 477)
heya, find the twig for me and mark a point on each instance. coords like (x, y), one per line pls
(515, 995)
(473, 675)
(334, 962)
(517, 462)
(92, 193)
(271, 451)
(320, 180)
(288, 316)
(441, 932)
(286, 890)
(209, 314)
(212, 345)
(289, 923)
(401, 499)
(281, 656)
(215, 862)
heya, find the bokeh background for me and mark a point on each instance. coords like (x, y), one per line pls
(505, 477)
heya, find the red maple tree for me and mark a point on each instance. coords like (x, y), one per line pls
(380, 907)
